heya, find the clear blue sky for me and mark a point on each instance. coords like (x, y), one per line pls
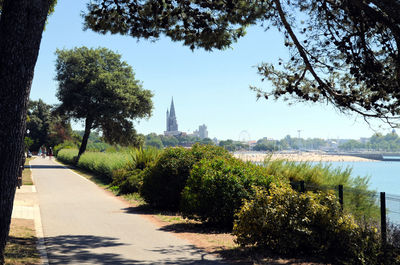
(209, 88)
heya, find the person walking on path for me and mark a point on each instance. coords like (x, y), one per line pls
(43, 151)
(50, 153)
(83, 224)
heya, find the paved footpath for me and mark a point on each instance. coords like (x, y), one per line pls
(83, 224)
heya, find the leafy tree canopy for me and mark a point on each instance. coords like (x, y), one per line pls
(38, 123)
(94, 85)
(344, 52)
(45, 128)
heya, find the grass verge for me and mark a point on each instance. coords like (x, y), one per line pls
(21, 246)
(27, 173)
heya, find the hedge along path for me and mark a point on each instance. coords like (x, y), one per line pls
(82, 224)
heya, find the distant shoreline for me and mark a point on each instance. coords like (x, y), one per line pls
(300, 157)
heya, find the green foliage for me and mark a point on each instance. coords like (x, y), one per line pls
(164, 182)
(28, 142)
(358, 200)
(153, 140)
(217, 186)
(126, 181)
(288, 222)
(232, 146)
(143, 158)
(393, 243)
(353, 75)
(67, 156)
(38, 123)
(45, 127)
(201, 151)
(64, 145)
(130, 178)
(388, 143)
(96, 86)
(101, 164)
(171, 141)
(318, 174)
(160, 141)
(219, 26)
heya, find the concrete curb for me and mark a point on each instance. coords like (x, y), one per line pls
(41, 247)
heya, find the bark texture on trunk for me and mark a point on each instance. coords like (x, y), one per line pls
(82, 149)
(21, 27)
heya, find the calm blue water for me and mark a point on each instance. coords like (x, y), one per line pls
(384, 177)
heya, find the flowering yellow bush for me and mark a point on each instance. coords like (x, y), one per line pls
(288, 222)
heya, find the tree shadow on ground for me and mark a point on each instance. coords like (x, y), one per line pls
(250, 256)
(188, 227)
(185, 226)
(21, 247)
(147, 210)
(47, 167)
(87, 249)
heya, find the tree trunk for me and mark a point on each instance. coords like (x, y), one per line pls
(82, 149)
(21, 27)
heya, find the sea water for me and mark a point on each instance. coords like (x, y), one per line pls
(384, 177)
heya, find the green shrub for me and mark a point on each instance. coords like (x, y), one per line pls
(163, 183)
(208, 151)
(393, 244)
(143, 158)
(67, 156)
(130, 178)
(217, 186)
(358, 200)
(128, 181)
(64, 145)
(288, 222)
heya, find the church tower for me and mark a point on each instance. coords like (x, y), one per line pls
(172, 124)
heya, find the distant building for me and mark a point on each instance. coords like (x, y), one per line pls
(215, 140)
(172, 124)
(201, 132)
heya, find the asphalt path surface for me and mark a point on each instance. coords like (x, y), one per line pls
(83, 224)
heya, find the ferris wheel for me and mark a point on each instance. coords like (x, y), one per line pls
(244, 136)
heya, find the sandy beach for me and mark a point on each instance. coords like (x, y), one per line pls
(300, 156)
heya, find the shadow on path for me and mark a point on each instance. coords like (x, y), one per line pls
(84, 249)
(48, 167)
(180, 227)
(254, 255)
(77, 249)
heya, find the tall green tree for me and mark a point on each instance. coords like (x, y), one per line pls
(95, 86)
(44, 126)
(38, 123)
(345, 52)
(21, 26)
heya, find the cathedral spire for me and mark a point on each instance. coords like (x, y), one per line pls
(172, 124)
(172, 109)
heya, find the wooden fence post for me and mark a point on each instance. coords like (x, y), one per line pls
(302, 188)
(383, 219)
(341, 195)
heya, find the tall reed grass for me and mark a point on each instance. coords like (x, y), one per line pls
(359, 200)
(101, 164)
